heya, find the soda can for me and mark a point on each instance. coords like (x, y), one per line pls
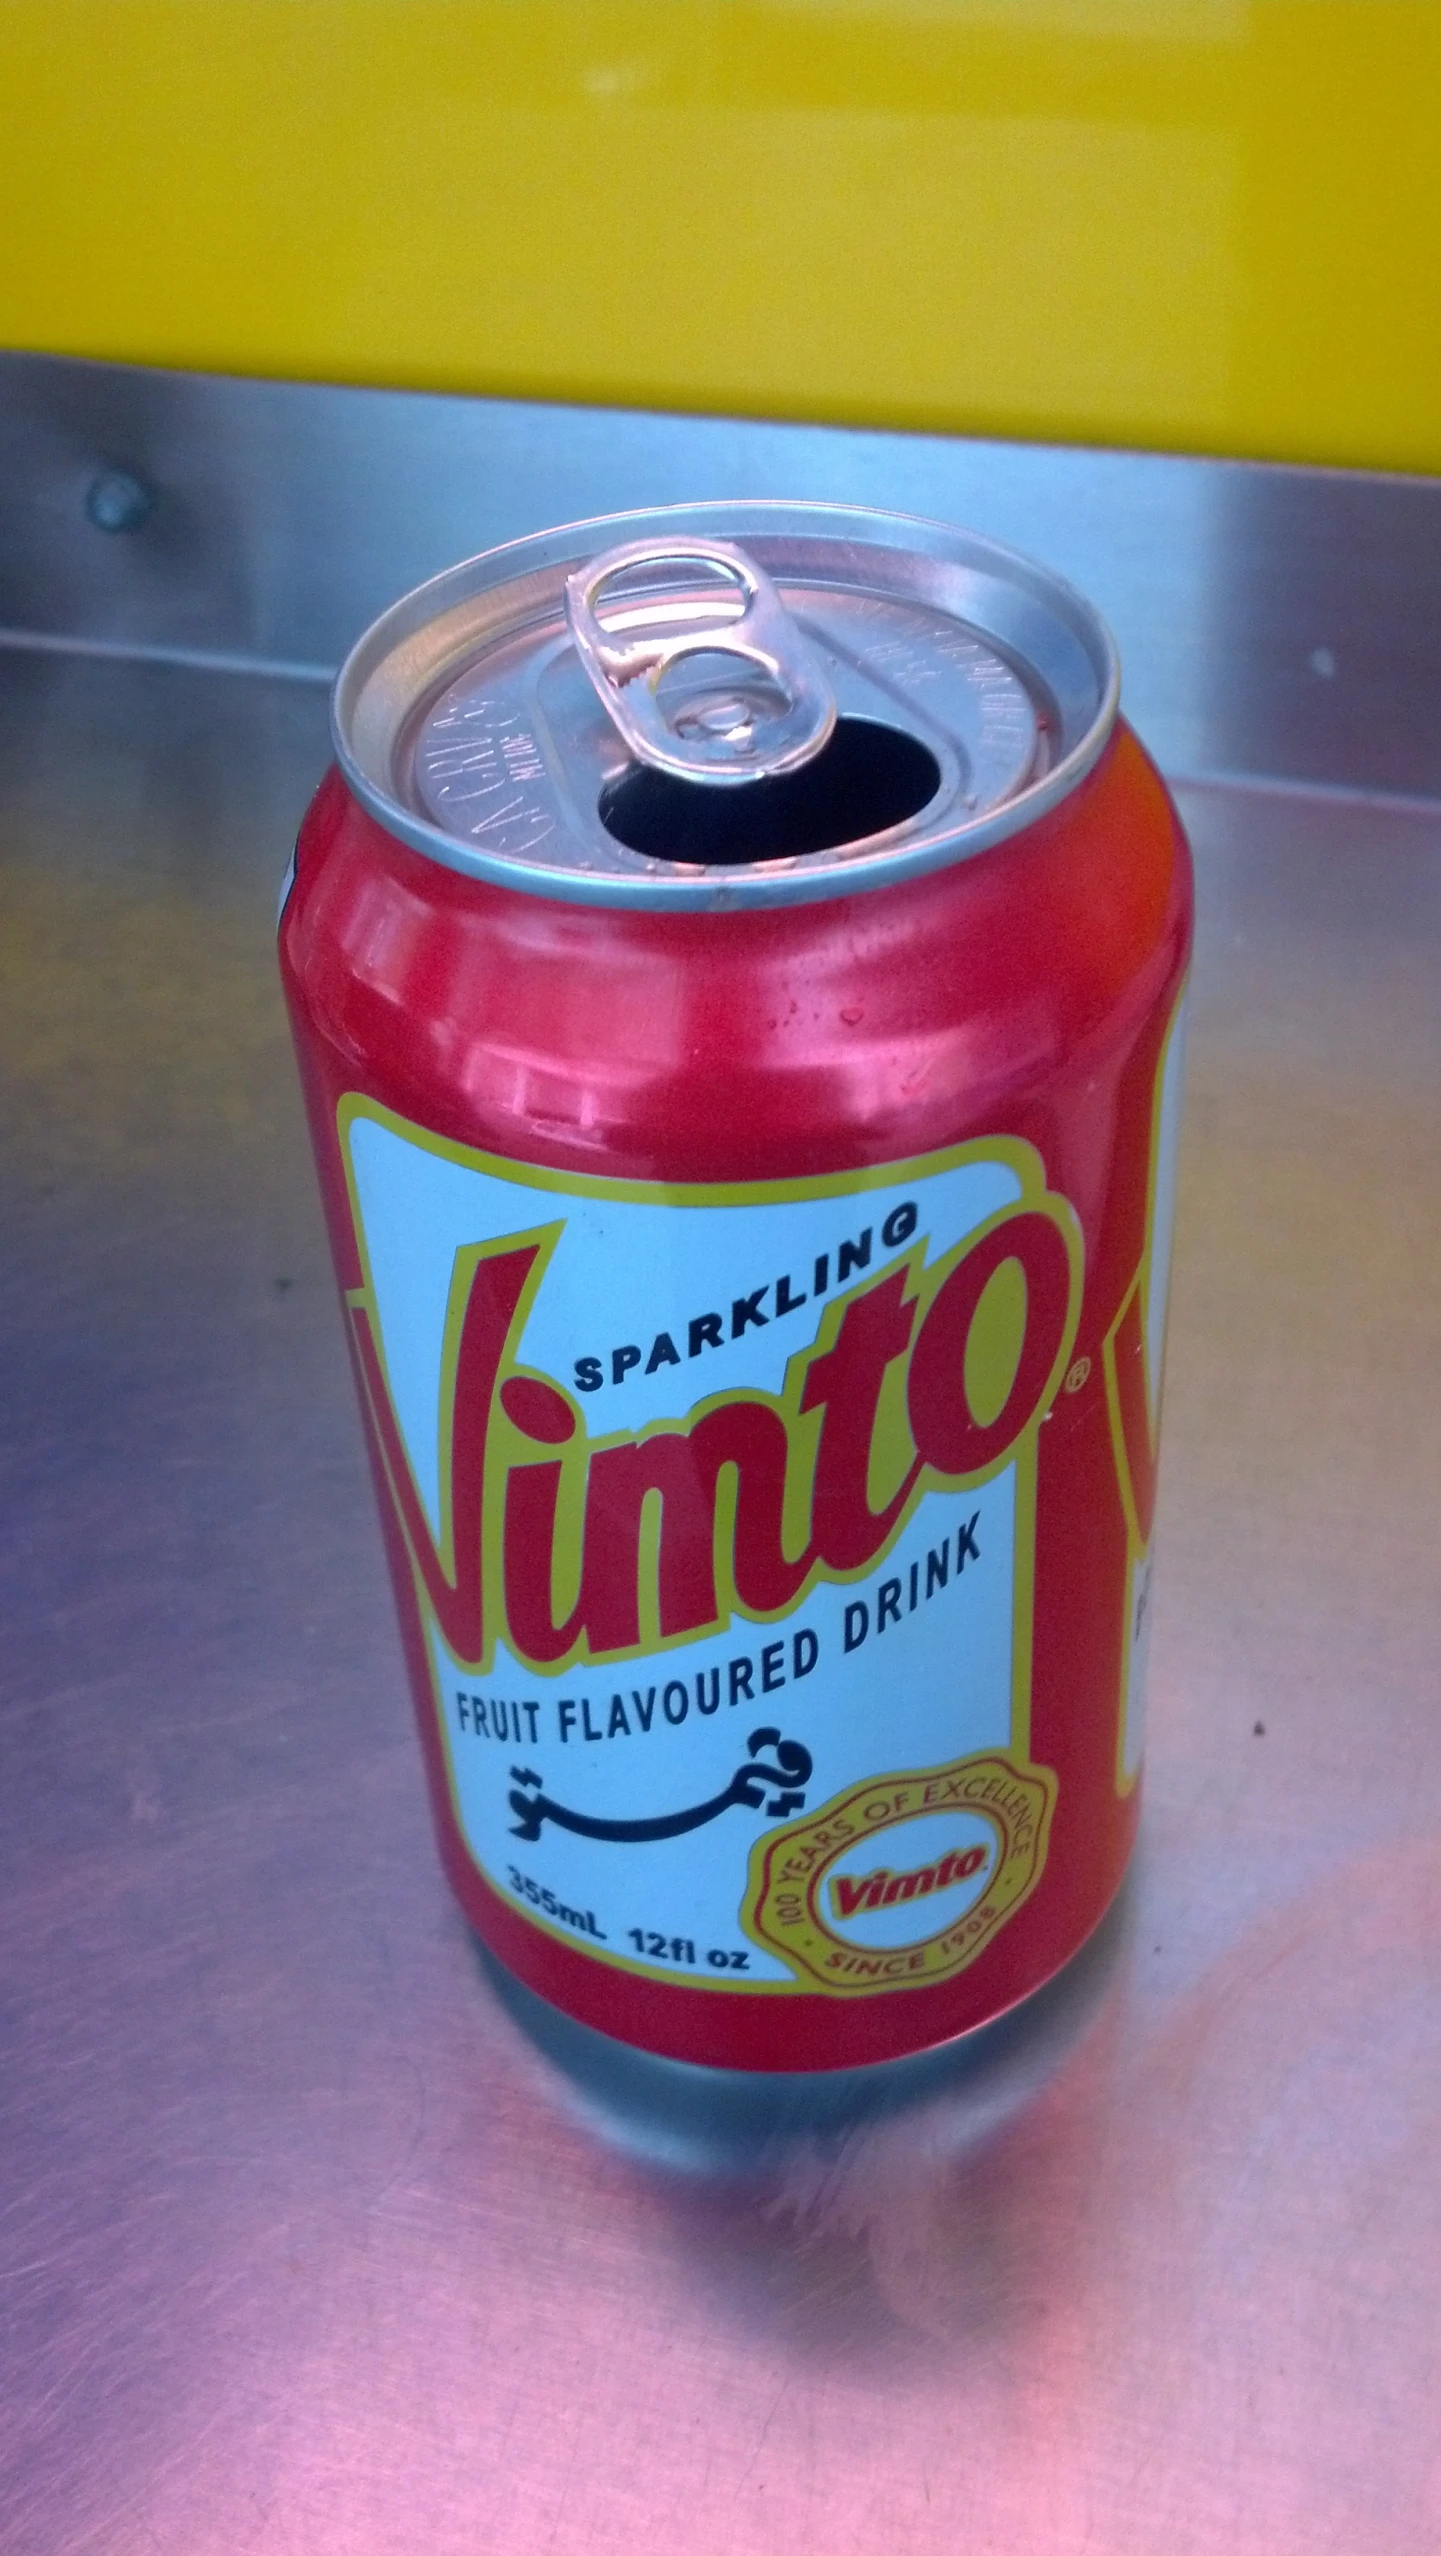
(736, 965)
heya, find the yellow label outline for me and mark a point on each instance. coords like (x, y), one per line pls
(1014, 1153)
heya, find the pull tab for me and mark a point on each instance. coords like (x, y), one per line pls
(766, 710)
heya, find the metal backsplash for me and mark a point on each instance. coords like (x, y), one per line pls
(1275, 624)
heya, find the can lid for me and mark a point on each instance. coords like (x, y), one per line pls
(719, 705)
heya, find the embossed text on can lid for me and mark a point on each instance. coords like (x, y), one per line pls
(747, 704)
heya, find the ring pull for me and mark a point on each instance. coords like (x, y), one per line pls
(704, 674)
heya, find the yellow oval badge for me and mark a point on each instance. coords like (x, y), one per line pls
(903, 1880)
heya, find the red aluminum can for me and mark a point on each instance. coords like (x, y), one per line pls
(736, 968)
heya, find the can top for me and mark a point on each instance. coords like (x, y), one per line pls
(725, 704)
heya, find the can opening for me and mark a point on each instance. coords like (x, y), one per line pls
(865, 779)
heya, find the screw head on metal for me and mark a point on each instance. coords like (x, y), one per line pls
(119, 502)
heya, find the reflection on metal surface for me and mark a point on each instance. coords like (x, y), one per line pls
(308, 2247)
(1277, 623)
(704, 2121)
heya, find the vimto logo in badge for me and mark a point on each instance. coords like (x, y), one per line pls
(904, 1880)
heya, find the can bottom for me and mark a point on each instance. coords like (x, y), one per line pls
(680, 2112)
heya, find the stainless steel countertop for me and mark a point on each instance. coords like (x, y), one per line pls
(312, 2243)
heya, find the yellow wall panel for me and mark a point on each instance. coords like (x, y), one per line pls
(1211, 225)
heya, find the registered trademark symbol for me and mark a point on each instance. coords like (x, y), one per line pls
(1077, 1375)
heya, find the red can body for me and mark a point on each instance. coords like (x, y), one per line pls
(1027, 995)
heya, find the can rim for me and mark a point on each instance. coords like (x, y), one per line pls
(423, 640)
